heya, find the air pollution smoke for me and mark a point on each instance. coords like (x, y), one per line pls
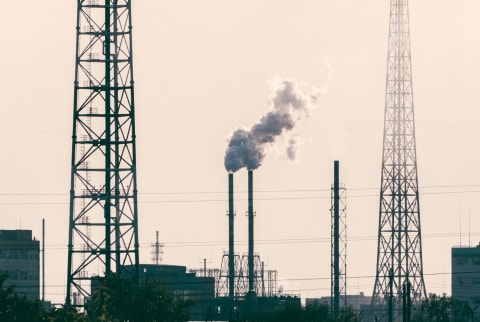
(289, 103)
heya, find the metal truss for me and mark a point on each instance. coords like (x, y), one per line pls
(271, 289)
(265, 281)
(212, 273)
(399, 257)
(258, 275)
(103, 196)
(222, 284)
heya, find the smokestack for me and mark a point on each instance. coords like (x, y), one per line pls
(43, 260)
(231, 253)
(336, 239)
(251, 287)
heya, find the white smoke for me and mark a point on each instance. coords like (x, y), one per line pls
(289, 103)
(292, 148)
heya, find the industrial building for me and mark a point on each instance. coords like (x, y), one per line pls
(357, 302)
(186, 285)
(180, 282)
(20, 258)
(466, 277)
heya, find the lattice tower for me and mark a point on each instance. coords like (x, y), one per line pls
(103, 196)
(223, 284)
(271, 288)
(157, 250)
(399, 257)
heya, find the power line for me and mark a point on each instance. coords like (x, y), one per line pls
(279, 241)
(292, 279)
(256, 191)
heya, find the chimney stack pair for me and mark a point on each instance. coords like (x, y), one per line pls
(231, 243)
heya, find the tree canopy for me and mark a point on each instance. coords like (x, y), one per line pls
(121, 299)
(309, 313)
(114, 299)
(441, 309)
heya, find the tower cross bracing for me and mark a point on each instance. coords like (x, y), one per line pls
(399, 257)
(103, 217)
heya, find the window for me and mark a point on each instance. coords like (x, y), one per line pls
(12, 275)
(461, 281)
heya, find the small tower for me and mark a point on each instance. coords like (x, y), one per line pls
(157, 250)
(103, 220)
(399, 281)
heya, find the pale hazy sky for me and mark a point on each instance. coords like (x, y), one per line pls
(203, 68)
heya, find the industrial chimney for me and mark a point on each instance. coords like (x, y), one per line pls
(231, 252)
(336, 240)
(251, 296)
(251, 273)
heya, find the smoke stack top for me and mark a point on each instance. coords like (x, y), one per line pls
(288, 104)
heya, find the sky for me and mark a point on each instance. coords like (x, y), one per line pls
(204, 68)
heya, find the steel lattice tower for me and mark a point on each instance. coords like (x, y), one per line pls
(399, 277)
(103, 235)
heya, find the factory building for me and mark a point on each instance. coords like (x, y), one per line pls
(357, 302)
(180, 282)
(187, 285)
(19, 258)
(183, 284)
(466, 277)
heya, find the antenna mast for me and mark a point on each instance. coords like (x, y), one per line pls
(157, 250)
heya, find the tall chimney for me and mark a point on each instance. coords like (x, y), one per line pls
(336, 239)
(43, 261)
(231, 253)
(251, 287)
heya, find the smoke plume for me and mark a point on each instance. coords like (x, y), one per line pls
(288, 104)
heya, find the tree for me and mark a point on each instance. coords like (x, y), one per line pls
(441, 309)
(20, 309)
(121, 299)
(15, 308)
(349, 315)
(317, 313)
(309, 313)
(67, 313)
